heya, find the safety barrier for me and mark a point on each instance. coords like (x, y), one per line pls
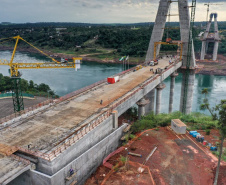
(25, 111)
(25, 161)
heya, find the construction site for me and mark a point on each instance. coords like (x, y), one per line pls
(64, 141)
(178, 159)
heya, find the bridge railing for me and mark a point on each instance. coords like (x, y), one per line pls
(23, 113)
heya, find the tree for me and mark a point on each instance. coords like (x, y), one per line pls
(218, 113)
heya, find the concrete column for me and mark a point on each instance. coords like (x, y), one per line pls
(172, 84)
(115, 118)
(141, 107)
(184, 18)
(158, 29)
(203, 51)
(215, 50)
(151, 106)
(207, 46)
(159, 88)
(187, 88)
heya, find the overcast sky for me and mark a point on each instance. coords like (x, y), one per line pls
(95, 11)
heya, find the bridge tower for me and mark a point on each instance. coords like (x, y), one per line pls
(188, 60)
(207, 38)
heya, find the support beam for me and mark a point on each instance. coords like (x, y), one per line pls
(141, 107)
(203, 51)
(151, 106)
(159, 88)
(172, 84)
(215, 50)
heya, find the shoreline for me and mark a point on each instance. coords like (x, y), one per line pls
(210, 68)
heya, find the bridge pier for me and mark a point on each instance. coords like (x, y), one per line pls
(215, 50)
(115, 119)
(159, 88)
(172, 84)
(141, 107)
(151, 106)
(187, 88)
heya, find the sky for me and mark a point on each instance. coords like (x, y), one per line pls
(96, 11)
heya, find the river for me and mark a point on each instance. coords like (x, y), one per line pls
(64, 81)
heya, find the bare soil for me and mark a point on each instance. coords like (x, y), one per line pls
(213, 68)
(177, 160)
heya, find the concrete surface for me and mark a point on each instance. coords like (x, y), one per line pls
(84, 165)
(6, 105)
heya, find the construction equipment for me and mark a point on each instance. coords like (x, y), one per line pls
(15, 74)
(178, 43)
(208, 9)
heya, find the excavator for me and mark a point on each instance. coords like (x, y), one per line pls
(16, 74)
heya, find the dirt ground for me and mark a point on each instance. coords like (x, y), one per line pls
(213, 68)
(177, 161)
(6, 105)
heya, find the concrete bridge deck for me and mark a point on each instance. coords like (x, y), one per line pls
(45, 130)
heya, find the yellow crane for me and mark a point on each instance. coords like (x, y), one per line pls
(15, 74)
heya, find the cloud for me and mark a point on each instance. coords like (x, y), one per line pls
(95, 11)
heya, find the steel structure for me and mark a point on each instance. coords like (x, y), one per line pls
(15, 74)
(179, 44)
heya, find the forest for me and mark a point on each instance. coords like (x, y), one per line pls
(28, 87)
(121, 39)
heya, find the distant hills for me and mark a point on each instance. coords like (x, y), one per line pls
(71, 24)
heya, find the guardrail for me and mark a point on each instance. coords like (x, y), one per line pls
(25, 161)
(17, 114)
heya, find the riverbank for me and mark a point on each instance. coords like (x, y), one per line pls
(209, 67)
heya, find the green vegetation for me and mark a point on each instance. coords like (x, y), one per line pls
(102, 41)
(123, 159)
(194, 121)
(218, 113)
(27, 87)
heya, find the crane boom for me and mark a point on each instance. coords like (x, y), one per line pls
(15, 74)
(208, 8)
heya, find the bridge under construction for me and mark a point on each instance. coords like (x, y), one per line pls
(75, 133)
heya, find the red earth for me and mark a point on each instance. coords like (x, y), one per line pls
(178, 160)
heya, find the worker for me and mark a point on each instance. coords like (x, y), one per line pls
(101, 102)
(29, 146)
(71, 172)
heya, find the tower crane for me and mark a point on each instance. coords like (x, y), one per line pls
(15, 73)
(208, 8)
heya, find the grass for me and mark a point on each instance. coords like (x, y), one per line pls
(194, 121)
(223, 157)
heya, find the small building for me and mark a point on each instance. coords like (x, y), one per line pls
(178, 126)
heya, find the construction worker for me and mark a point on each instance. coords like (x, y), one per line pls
(71, 172)
(101, 102)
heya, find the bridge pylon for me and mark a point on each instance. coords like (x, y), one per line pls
(188, 54)
(207, 38)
